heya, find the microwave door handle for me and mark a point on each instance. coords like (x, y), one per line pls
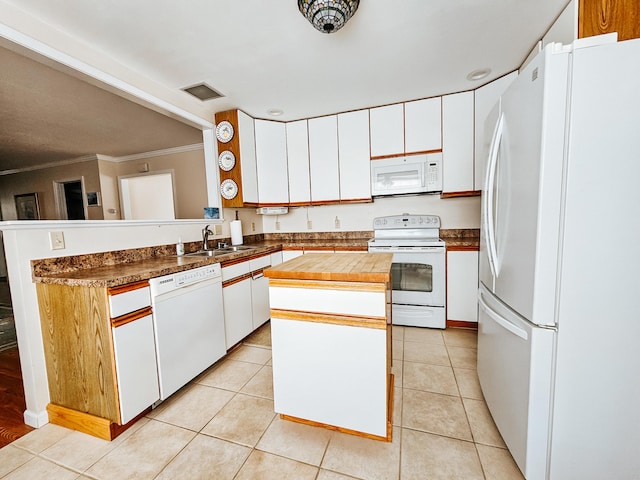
(488, 198)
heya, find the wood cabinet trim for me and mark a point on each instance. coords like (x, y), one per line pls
(378, 323)
(127, 287)
(328, 285)
(235, 280)
(130, 317)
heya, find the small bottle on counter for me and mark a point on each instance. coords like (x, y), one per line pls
(179, 247)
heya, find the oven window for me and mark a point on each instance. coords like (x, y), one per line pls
(414, 277)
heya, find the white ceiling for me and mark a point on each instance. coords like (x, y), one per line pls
(260, 54)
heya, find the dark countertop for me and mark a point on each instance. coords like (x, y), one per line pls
(111, 269)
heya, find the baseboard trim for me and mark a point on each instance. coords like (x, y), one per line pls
(462, 324)
(36, 419)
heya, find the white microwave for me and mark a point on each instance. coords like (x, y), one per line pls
(412, 174)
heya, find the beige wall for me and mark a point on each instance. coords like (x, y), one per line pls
(188, 174)
(41, 182)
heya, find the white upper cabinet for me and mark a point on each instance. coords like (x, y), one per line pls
(353, 153)
(387, 130)
(486, 116)
(457, 142)
(298, 162)
(423, 125)
(248, 158)
(271, 156)
(323, 159)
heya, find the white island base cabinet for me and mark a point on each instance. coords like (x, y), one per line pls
(331, 342)
(334, 375)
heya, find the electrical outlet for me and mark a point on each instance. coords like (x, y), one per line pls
(56, 240)
(309, 224)
(337, 222)
(217, 229)
(277, 225)
(253, 226)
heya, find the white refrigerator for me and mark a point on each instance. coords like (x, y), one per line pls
(559, 296)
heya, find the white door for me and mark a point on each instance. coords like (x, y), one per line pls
(148, 196)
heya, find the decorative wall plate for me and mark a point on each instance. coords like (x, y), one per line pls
(226, 160)
(224, 131)
(229, 189)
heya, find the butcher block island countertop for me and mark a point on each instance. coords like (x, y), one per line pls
(331, 341)
(342, 267)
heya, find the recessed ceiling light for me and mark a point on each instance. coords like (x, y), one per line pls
(478, 74)
(276, 112)
(203, 92)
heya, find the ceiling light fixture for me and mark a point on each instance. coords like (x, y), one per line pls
(276, 112)
(328, 16)
(478, 74)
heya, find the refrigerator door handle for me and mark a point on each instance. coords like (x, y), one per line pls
(489, 224)
(501, 321)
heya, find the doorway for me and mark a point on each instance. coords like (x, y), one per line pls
(70, 199)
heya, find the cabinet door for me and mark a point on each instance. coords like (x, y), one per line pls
(457, 142)
(298, 162)
(323, 158)
(387, 130)
(136, 370)
(289, 254)
(462, 285)
(260, 299)
(238, 315)
(271, 156)
(353, 153)
(248, 168)
(423, 125)
(276, 258)
(486, 99)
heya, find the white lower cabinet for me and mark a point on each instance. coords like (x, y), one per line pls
(245, 294)
(135, 359)
(276, 258)
(238, 316)
(289, 254)
(462, 285)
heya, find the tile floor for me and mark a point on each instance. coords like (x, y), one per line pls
(222, 426)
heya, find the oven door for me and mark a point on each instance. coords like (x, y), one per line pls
(418, 277)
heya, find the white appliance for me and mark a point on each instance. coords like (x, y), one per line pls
(189, 324)
(418, 269)
(558, 331)
(420, 173)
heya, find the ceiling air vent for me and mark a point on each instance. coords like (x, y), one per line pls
(203, 92)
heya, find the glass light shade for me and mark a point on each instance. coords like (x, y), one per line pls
(328, 16)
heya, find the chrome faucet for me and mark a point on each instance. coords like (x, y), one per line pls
(205, 237)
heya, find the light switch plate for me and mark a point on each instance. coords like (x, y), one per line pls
(56, 240)
(217, 229)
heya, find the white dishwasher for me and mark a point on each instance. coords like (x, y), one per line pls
(188, 324)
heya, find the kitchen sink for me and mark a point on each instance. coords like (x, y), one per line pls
(203, 253)
(235, 248)
(219, 251)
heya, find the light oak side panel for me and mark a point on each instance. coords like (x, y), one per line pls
(78, 348)
(597, 17)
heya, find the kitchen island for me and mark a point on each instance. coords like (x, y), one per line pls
(331, 341)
